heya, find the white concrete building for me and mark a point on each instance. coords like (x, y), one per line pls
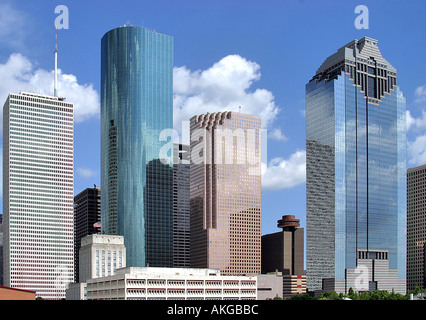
(38, 194)
(101, 255)
(153, 283)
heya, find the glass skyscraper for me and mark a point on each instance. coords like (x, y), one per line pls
(356, 173)
(136, 106)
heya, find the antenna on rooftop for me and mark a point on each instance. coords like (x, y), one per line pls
(55, 89)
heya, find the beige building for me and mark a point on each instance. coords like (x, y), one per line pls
(101, 255)
(154, 283)
(225, 192)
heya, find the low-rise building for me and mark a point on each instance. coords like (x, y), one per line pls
(7, 293)
(101, 255)
(154, 283)
(269, 286)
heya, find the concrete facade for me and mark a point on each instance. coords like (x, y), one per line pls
(150, 283)
(38, 192)
(269, 286)
(101, 255)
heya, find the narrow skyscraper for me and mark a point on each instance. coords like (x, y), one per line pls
(87, 213)
(38, 191)
(225, 192)
(136, 106)
(181, 207)
(356, 173)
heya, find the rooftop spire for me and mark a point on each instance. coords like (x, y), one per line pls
(55, 89)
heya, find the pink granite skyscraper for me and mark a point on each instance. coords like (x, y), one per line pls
(226, 192)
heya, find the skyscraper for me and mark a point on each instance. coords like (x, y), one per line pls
(87, 213)
(136, 106)
(225, 192)
(181, 207)
(284, 251)
(356, 173)
(416, 226)
(38, 191)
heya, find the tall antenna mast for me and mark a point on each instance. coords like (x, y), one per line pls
(55, 90)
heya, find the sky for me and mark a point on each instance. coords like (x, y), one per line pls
(227, 53)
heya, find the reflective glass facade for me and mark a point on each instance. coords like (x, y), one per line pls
(136, 106)
(356, 162)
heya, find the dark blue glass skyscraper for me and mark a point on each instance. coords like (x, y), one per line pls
(136, 106)
(356, 173)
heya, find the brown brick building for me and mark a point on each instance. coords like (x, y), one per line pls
(283, 253)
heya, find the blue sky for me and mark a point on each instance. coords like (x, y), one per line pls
(268, 50)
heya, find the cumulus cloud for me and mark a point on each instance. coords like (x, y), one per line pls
(86, 172)
(416, 148)
(284, 173)
(416, 123)
(225, 86)
(416, 142)
(19, 74)
(276, 134)
(420, 94)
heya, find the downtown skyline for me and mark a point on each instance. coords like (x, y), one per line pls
(256, 59)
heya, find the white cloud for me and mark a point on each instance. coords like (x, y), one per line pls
(420, 94)
(276, 134)
(19, 74)
(416, 147)
(416, 123)
(224, 86)
(86, 172)
(417, 150)
(284, 173)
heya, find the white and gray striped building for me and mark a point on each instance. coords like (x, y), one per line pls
(38, 192)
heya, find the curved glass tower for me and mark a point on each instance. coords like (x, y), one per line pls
(136, 106)
(356, 173)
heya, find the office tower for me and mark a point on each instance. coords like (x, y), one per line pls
(136, 111)
(87, 213)
(356, 173)
(101, 255)
(225, 192)
(181, 208)
(416, 226)
(38, 191)
(283, 251)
